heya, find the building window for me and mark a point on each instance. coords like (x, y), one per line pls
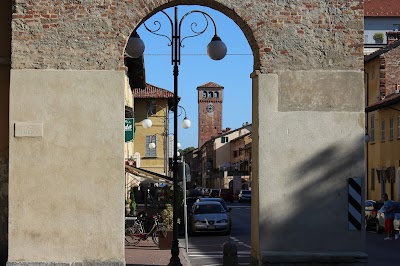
(365, 38)
(224, 139)
(372, 179)
(204, 94)
(216, 95)
(383, 133)
(398, 127)
(372, 133)
(391, 128)
(151, 152)
(235, 154)
(210, 94)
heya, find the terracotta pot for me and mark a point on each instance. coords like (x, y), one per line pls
(165, 242)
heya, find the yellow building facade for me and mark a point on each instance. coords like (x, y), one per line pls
(383, 123)
(153, 144)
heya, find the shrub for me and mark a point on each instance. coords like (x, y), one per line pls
(378, 36)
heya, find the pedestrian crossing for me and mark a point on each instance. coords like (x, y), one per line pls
(214, 258)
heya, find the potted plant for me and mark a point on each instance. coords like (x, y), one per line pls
(378, 37)
(165, 241)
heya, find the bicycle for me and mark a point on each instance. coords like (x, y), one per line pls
(136, 233)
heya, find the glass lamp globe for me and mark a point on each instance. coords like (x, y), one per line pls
(147, 123)
(186, 123)
(178, 145)
(135, 46)
(216, 49)
(152, 145)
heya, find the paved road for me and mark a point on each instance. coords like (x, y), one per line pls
(206, 249)
(381, 252)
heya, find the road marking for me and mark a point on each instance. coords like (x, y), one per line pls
(216, 252)
(239, 242)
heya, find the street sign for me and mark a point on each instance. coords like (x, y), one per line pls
(129, 129)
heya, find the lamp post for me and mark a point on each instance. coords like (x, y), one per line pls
(216, 50)
(147, 123)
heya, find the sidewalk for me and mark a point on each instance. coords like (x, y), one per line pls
(146, 253)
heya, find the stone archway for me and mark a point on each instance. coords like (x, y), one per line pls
(307, 116)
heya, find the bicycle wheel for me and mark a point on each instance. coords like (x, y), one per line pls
(160, 232)
(132, 235)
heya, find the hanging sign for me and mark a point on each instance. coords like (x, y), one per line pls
(129, 130)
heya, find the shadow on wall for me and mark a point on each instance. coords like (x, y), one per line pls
(318, 198)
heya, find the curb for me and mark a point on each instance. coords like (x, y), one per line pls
(184, 254)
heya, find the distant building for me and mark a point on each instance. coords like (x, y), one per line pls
(210, 98)
(380, 17)
(382, 84)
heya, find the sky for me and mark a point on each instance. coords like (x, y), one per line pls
(196, 68)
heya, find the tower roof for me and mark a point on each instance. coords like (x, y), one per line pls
(210, 85)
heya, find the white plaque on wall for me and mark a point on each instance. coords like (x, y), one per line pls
(24, 129)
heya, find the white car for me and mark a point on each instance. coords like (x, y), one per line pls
(209, 216)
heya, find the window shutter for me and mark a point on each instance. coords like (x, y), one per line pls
(372, 179)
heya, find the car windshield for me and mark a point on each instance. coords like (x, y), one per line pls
(217, 200)
(246, 192)
(208, 208)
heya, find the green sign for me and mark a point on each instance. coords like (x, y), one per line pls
(129, 129)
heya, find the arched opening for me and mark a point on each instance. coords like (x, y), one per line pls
(231, 75)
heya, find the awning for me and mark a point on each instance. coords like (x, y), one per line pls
(149, 175)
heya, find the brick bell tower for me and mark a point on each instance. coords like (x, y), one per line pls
(210, 97)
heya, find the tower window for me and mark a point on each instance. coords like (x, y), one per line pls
(216, 95)
(210, 94)
(204, 94)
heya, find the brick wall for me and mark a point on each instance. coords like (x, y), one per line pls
(83, 34)
(392, 65)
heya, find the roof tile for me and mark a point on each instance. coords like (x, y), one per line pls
(152, 91)
(210, 85)
(381, 8)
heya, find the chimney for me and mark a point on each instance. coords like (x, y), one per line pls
(392, 36)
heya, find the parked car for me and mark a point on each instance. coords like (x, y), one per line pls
(209, 216)
(371, 211)
(214, 193)
(244, 195)
(189, 203)
(380, 226)
(226, 194)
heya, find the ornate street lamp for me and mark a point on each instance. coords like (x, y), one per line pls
(216, 50)
(147, 123)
